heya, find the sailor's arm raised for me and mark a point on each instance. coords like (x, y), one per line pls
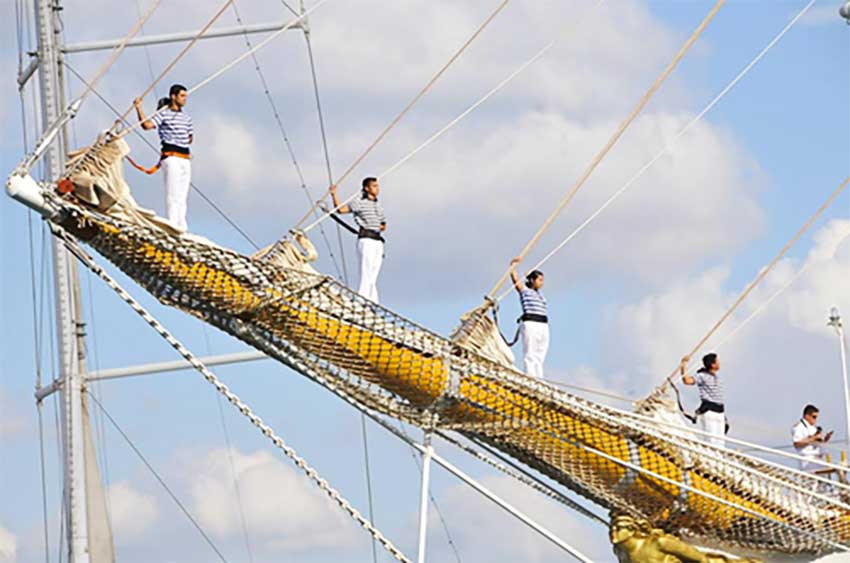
(339, 208)
(686, 379)
(147, 124)
(514, 277)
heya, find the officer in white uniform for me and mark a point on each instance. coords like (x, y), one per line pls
(808, 439)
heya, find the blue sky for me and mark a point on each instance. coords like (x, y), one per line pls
(628, 297)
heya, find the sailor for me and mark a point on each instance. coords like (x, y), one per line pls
(369, 216)
(808, 438)
(711, 410)
(534, 320)
(176, 134)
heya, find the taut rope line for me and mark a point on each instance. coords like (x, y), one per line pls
(611, 142)
(773, 297)
(118, 50)
(180, 55)
(123, 117)
(232, 63)
(454, 121)
(762, 274)
(425, 89)
(669, 145)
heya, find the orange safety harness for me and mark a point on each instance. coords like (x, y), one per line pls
(158, 165)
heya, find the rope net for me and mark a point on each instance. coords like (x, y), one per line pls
(387, 364)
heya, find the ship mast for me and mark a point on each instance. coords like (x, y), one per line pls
(69, 323)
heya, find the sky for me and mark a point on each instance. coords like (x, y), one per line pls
(628, 296)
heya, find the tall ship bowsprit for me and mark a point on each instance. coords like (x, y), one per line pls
(667, 490)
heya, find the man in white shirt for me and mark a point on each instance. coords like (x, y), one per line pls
(808, 437)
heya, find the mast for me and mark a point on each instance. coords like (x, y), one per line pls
(69, 332)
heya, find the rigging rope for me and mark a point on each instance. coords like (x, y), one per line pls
(122, 118)
(502, 464)
(464, 113)
(232, 464)
(116, 52)
(146, 48)
(666, 149)
(288, 145)
(243, 408)
(324, 137)
(761, 275)
(773, 297)
(368, 481)
(637, 467)
(589, 390)
(425, 89)
(181, 54)
(676, 431)
(610, 144)
(344, 273)
(36, 328)
(157, 476)
(228, 66)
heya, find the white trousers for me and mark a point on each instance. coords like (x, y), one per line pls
(177, 174)
(535, 344)
(371, 256)
(714, 423)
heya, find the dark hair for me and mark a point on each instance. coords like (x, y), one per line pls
(810, 409)
(531, 276)
(175, 89)
(367, 181)
(162, 102)
(708, 361)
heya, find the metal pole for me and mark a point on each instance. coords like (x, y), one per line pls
(428, 451)
(835, 322)
(178, 37)
(480, 488)
(509, 508)
(46, 14)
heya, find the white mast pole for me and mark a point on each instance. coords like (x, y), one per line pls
(835, 322)
(428, 453)
(65, 280)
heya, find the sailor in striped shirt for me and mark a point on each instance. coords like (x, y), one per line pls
(712, 409)
(534, 319)
(369, 216)
(176, 133)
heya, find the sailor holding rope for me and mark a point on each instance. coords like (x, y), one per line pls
(534, 319)
(369, 216)
(711, 410)
(176, 133)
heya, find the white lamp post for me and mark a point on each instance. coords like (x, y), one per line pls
(835, 322)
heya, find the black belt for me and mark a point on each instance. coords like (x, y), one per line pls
(370, 234)
(168, 147)
(710, 406)
(534, 318)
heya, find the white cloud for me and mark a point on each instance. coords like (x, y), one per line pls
(131, 512)
(502, 170)
(282, 509)
(8, 546)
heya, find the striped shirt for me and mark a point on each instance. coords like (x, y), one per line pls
(710, 387)
(532, 301)
(368, 213)
(175, 127)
